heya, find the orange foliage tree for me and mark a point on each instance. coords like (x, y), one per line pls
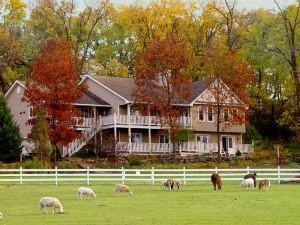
(228, 96)
(161, 85)
(53, 88)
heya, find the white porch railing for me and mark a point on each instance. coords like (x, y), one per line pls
(139, 120)
(184, 148)
(85, 122)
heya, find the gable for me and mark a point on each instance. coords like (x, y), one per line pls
(208, 95)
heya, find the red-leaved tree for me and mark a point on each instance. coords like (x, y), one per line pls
(228, 97)
(53, 88)
(160, 83)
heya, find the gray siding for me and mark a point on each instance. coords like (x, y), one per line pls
(19, 109)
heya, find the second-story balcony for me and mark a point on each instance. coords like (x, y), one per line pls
(139, 121)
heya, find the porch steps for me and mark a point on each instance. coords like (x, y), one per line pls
(87, 135)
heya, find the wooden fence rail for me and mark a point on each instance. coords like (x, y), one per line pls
(145, 175)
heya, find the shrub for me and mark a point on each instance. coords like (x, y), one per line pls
(238, 153)
(84, 154)
(134, 161)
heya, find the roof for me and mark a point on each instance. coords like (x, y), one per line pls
(123, 86)
(88, 98)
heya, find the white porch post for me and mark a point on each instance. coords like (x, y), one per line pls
(129, 128)
(115, 127)
(149, 131)
(95, 121)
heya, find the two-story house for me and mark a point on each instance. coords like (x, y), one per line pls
(111, 120)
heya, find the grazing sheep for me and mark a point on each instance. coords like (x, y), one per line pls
(216, 180)
(85, 191)
(251, 175)
(264, 183)
(51, 202)
(122, 188)
(247, 183)
(177, 183)
(1, 216)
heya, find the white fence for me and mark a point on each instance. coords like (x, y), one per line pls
(145, 175)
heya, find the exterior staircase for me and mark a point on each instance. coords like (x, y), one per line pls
(87, 135)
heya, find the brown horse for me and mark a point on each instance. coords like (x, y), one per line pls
(251, 175)
(216, 180)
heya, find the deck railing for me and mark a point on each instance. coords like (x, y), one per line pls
(152, 175)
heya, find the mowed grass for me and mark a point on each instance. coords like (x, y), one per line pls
(195, 203)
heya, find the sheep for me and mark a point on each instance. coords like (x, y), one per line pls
(122, 188)
(85, 191)
(264, 183)
(51, 202)
(253, 176)
(247, 183)
(1, 216)
(169, 183)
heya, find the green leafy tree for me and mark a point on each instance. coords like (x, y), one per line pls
(10, 138)
(40, 137)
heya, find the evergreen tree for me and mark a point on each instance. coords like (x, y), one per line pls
(10, 138)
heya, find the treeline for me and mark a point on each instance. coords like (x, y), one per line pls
(105, 39)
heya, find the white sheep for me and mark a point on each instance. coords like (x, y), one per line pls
(51, 202)
(122, 188)
(247, 183)
(1, 216)
(85, 191)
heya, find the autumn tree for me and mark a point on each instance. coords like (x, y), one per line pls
(10, 137)
(53, 87)
(228, 97)
(161, 83)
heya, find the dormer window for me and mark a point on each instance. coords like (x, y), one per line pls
(200, 114)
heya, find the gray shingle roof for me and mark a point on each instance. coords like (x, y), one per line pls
(124, 86)
(89, 98)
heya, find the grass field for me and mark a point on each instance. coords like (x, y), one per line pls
(150, 204)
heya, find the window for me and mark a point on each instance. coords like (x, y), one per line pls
(164, 139)
(18, 90)
(210, 115)
(226, 115)
(136, 138)
(202, 139)
(30, 112)
(200, 114)
(234, 113)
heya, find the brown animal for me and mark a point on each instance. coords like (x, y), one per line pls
(216, 180)
(264, 183)
(170, 183)
(251, 175)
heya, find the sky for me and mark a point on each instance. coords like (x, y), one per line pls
(242, 4)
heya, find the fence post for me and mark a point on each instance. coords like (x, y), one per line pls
(278, 174)
(152, 175)
(248, 170)
(184, 181)
(21, 175)
(88, 175)
(56, 175)
(216, 169)
(123, 175)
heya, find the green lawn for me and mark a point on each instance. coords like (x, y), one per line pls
(196, 203)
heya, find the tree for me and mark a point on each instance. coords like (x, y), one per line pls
(160, 81)
(53, 87)
(228, 96)
(10, 138)
(40, 137)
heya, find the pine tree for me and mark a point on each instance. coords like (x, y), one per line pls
(10, 138)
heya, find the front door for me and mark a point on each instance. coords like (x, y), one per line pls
(227, 143)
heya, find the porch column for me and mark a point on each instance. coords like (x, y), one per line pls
(115, 127)
(149, 132)
(129, 128)
(95, 121)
